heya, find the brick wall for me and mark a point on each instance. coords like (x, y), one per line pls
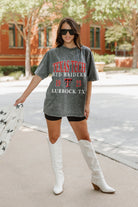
(16, 55)
(9, 55)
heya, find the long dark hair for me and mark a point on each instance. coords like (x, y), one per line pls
(76, 28)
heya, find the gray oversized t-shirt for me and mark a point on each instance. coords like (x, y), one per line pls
(71, 69)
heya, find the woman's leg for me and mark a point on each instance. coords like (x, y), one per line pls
(97, 179)
(53, 129)
(80, 129)
(55, 147)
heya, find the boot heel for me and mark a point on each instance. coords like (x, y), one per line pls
(95, 187)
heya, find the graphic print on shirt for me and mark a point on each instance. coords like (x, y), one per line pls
(68, 82)
(65, 71)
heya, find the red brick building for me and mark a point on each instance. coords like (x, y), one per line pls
(12, 45)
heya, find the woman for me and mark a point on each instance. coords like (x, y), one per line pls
(73, 70)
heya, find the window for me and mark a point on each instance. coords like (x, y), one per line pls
(49, 36)
(11, 35)
(45, 34)
(92, 37)
(14, 34)
(41, 36)
(109, 46)
(95, 37)
(19, 37)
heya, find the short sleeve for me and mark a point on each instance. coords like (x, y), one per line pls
(43, 68)
(92, 74)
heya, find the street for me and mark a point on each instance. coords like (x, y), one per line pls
(112, 124)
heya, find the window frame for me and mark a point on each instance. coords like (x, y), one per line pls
(99, 37)
(18, 33)
(93, 37)
(94, 27)
(47, 36)
(12, 28)
(110, 45)
(41, 29)
(15, 35)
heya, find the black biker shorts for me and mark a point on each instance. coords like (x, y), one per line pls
(70, 118)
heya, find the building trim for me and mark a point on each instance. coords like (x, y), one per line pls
(12, 56)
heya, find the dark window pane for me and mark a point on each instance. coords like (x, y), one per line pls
(97, 37)
(19, 37)
(92, 37)
(41, 36)
(107, 45)
(49, 36)
(11, 35)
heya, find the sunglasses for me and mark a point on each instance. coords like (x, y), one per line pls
(64, 31)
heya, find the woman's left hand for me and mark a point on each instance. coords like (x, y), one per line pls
(87, 111)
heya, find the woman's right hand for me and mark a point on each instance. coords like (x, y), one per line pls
(34, 82)
(19, 100)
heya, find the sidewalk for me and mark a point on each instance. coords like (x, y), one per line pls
(109, 78)
(27, 179)
(118, 78)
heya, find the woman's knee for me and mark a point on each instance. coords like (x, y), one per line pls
(54, 138)
(85, 137)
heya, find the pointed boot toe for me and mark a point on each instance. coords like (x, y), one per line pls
(58, 188)
(102, 186)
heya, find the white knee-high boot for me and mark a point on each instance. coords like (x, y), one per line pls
(57, 165)
(97, 178)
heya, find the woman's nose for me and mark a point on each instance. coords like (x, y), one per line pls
(67, 33)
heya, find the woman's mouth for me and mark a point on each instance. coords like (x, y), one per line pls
(67, 38)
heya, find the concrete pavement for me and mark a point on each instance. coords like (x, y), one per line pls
(26, 177)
